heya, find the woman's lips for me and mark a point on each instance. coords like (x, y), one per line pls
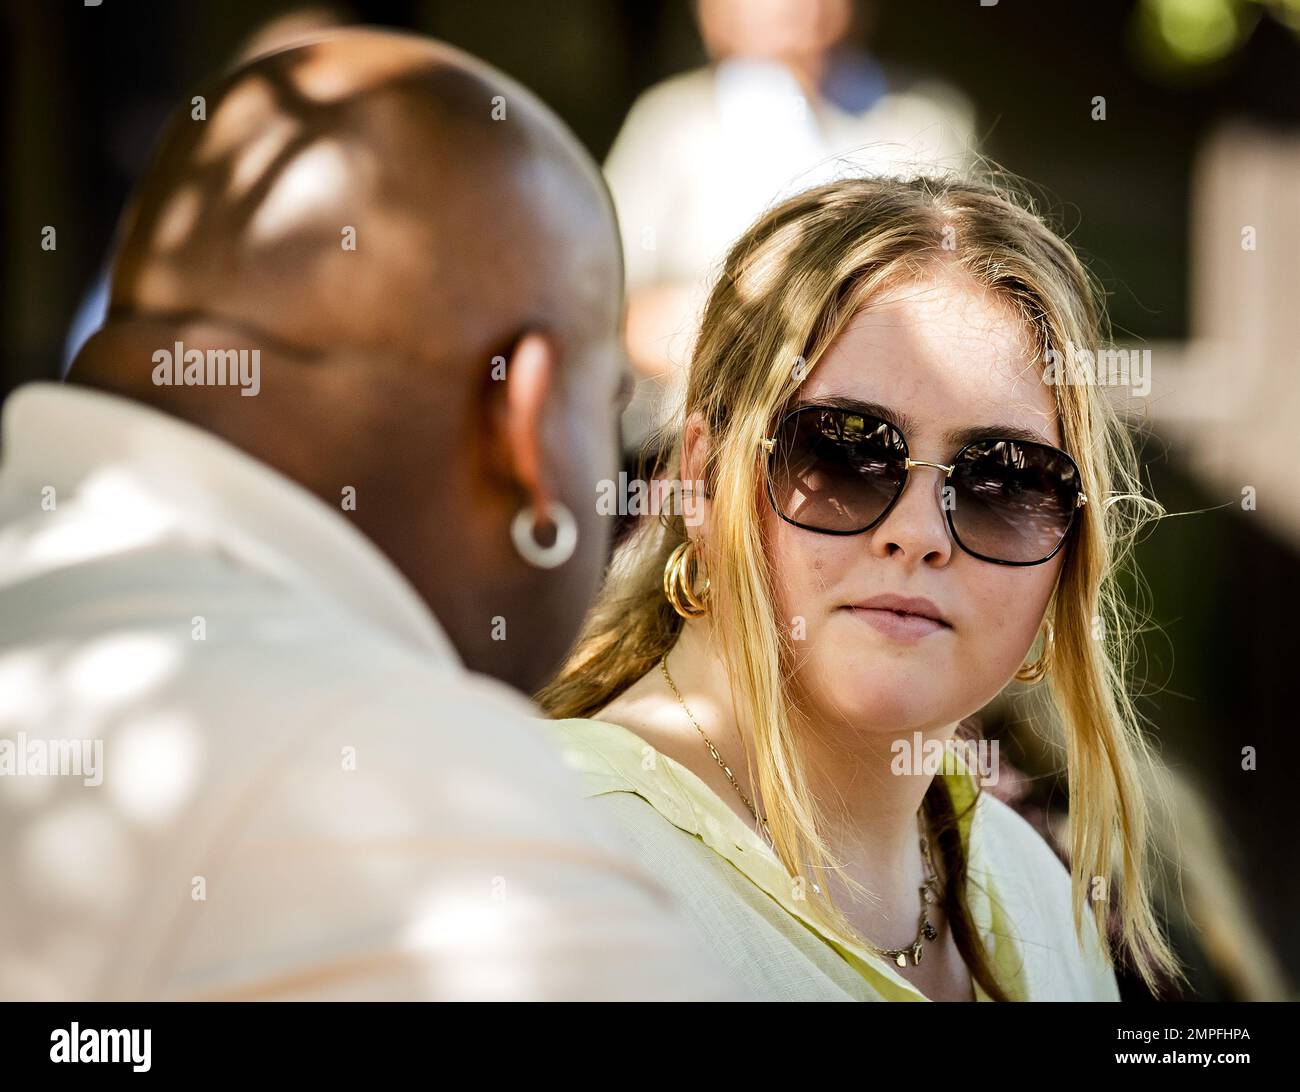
(895, 624)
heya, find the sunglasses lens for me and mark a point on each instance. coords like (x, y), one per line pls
(1013, 501)
(835, 470)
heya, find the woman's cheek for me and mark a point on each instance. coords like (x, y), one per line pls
(796, 564)
(1012, 614)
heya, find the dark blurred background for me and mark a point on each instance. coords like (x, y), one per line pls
(1199, 141)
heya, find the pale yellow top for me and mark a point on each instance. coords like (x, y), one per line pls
(752, 913)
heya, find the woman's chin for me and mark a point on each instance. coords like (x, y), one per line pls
(878, 706)
(874, 671)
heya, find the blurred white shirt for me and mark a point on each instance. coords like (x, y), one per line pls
(301, 791)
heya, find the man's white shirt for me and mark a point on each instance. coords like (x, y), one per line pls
(239, 758)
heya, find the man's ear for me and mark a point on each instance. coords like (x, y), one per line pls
(519, 451)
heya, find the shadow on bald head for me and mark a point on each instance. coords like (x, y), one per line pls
(427, 264)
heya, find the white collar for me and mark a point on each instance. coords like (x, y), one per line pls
(69, 436)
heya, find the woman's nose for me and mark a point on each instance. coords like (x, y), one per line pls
(916, 524)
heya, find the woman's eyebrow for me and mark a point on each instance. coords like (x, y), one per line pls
(956, 438)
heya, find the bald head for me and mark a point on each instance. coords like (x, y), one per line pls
(428, 264)
(359, 190)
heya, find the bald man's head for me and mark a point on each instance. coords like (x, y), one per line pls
(361, 188)
(428, 263)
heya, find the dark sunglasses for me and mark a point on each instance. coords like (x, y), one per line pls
(839, 472)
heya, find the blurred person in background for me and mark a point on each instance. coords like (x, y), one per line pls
(279, 559)
(786, 103)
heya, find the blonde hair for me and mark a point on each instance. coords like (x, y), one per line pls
(786, 290)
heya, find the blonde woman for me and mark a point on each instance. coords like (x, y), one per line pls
(892, 502)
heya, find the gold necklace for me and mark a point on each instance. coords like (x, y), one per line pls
(925, 928)
(663, 665)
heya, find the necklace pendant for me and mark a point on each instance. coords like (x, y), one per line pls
(916, 954)
(901, 959)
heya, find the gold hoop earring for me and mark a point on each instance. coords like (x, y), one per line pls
(1034, 672)
(680, 575)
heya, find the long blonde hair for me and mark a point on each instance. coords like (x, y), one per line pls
(789, 285)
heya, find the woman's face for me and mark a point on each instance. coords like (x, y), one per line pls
(947, 356)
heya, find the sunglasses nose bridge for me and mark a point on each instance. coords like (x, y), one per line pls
(909, 463)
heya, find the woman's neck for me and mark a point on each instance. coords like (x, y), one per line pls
(870, 812)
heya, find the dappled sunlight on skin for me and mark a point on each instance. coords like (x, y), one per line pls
(238, 118)
(319, 79)
(309, 187)
(177, 219)
(342, 139)
(266, 186)
(253, 162)
(161, 288)
(249, 165)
